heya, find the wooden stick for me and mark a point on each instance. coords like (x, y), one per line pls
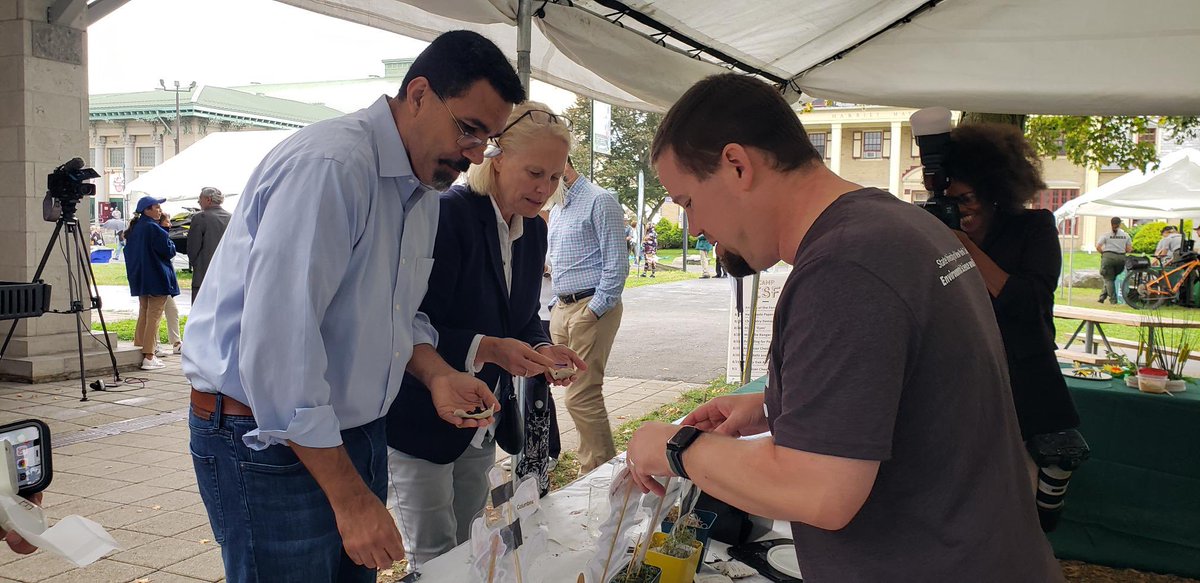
(492, 561)
(616, 534)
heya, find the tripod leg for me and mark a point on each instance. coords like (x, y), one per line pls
(74, 240)
(36, 277)
(93, 290)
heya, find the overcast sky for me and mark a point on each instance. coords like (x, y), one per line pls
(235, 42)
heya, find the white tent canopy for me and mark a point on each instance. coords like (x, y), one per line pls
(1002, 56)
(1172, 191)
(222, 160)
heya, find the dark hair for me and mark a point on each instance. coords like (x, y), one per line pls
(732, 109)
(456, 60)
(997, 162)
(1115, 221)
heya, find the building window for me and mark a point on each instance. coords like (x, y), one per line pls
(116, 157)
(1147, 136)
(872, 145)
(820, 141)
(145, 157)
(1052, 199)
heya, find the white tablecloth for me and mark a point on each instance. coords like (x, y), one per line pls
(565, 513)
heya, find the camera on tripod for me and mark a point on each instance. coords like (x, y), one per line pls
(65, 187)
(931, 128)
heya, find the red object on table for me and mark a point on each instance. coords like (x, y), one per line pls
(1152, 372)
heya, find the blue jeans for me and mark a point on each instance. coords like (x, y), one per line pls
(272, 520)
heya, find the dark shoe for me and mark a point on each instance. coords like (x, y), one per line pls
(651, 276)
(705, 276)
(1102, 298)
(641, 275)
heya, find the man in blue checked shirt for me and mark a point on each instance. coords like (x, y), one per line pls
(588, 265)
(309, 322)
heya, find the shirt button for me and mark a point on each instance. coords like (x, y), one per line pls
(403, 261)
(397, 355)
(397, 307)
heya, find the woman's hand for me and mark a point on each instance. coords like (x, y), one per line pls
(563, 357)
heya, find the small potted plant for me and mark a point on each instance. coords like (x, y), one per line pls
(677, 554)
(700, 520)
(644, 574)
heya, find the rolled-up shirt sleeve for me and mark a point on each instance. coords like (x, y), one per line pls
(295, 266)
(610, 235)
(423, 330)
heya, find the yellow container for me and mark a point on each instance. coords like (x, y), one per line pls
(674, 569)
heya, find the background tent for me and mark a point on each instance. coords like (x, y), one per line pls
(1010, 56)
(1172, 191)
(222, 160)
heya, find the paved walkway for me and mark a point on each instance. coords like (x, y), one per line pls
(121, 459)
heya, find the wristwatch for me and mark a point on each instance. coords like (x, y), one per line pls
(676, 446)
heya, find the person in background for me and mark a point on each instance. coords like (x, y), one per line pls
(631, 241)
(117, 226)
(1113, 246)
(487, 326)
(170, 309)
(719, 267)
(704, 248)
(587, 254)
(994, 172)
(148, 253)
(309, 322)
(1171, 241)
(204, 233)
(650, 251)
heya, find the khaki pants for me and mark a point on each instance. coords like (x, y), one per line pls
(172, 313)
(150, 312)
(705, 267)
(577, 327)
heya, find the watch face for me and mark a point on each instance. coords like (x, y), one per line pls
(684, 437)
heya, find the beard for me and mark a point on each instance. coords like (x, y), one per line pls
(735, 264)
(443, 177)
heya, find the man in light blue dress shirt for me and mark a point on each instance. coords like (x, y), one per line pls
(309, 322)
(588, 264)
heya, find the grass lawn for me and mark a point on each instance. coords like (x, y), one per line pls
(124, 328)
(568, 463)
(114, 274)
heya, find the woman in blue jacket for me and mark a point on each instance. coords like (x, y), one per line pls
(148, 253)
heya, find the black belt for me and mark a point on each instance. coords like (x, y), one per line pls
(575, 297)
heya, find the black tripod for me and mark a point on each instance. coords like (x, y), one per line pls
(80, 278)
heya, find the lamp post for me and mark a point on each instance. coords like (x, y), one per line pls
(177, 90)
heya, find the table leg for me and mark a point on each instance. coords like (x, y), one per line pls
(1104, 337)
(1089, 343)
(1075, 335)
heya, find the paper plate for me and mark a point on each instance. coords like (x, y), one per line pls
(783, 559)
(1087, 374)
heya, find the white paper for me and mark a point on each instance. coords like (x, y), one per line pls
(74, 538)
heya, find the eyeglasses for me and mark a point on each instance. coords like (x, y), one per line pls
(965, 198)
(466, 141)
(539, 116)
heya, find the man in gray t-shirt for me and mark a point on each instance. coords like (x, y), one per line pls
(894, 448)
(1113, 245)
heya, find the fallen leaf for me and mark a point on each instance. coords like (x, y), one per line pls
(204, 541)
(142, 580)
(156, 507)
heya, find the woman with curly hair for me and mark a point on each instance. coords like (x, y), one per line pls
(994, 172)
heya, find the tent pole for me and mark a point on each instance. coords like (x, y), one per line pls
(1071, 261)
(524, 42)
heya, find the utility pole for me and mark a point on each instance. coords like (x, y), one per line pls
(177, 90)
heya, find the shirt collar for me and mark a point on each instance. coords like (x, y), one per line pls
(516, 225)
(389, 146)
(580, 186)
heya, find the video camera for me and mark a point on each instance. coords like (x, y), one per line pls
(931, 128)
(65, 187)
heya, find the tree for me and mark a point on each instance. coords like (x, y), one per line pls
(1098, 141)
(632, 135)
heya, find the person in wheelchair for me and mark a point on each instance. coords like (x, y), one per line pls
(994, 172)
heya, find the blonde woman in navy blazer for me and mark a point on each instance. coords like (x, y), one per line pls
(483, 300)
